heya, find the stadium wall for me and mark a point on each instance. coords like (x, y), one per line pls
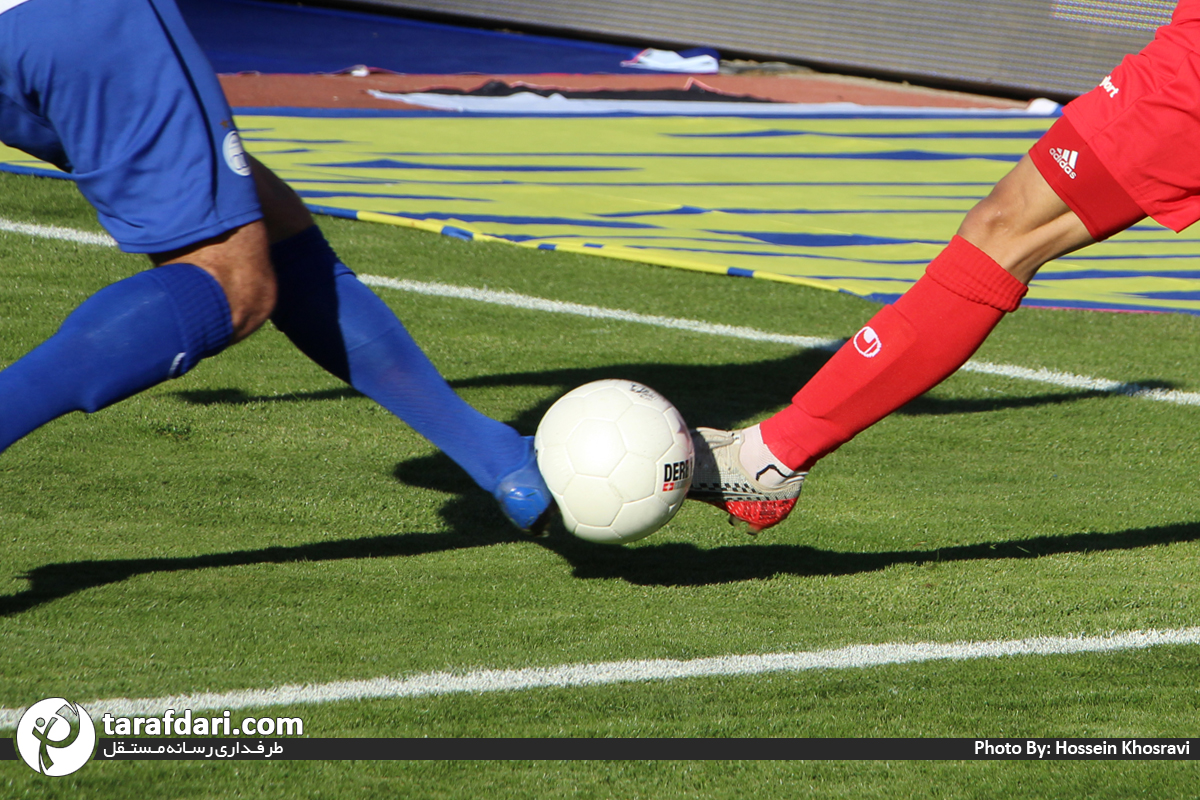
(1055, 48)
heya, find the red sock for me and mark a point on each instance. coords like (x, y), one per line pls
(903, 351)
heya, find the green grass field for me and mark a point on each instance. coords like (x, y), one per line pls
(256, 524)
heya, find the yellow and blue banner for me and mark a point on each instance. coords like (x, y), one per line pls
(858, 204)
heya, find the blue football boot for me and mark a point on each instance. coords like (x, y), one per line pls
(524, 497)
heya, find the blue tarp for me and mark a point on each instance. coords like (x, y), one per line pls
(257, 36)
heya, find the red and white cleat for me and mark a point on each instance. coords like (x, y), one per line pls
(753, 501)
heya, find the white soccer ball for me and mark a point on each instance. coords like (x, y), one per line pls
(618, 459)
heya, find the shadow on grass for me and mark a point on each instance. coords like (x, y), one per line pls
(681, 564)
(237, 397)
(54, 581)
(719, 396)
(667, 565)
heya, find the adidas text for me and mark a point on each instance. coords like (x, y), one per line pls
(1066, 159)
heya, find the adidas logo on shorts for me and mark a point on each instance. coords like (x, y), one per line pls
(1066, 159)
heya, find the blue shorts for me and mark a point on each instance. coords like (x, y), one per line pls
(117, 93)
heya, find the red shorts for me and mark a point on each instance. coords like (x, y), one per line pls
(1136, 136)
(1078, 176)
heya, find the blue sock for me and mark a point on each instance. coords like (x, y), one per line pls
(341, 324)
(126, 337)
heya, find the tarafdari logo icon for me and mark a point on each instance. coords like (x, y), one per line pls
(56, 737)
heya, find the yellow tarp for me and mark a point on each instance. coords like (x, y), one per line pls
(852, 204)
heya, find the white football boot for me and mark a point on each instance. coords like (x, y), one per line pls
(755, 501)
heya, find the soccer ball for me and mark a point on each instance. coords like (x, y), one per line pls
(618, 459)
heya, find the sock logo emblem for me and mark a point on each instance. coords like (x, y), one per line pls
(867, 342)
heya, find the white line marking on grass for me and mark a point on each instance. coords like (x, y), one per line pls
(514, 300)
(1065, 380)
(54, 232)
(1082, 382)
(616, 672)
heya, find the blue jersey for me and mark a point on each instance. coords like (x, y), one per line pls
(117, 93)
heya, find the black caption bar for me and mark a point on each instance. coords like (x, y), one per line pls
(637, 749)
